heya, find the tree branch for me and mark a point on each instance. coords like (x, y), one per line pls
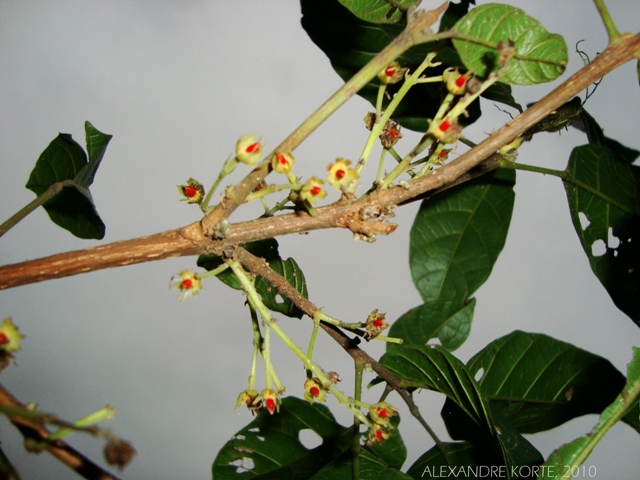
(365, 216)
(59, 449)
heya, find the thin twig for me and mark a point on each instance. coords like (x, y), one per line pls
(59, 449)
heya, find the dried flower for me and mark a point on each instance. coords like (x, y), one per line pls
(375, 325)
(119, 452)
(377, 435)
(248, 397)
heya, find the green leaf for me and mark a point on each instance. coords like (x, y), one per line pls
(350, 43)
(375, 461)
(539, 55)
(269, 447)
(289, 269)
(97, 143)
(539, 382)
(440, 319)
(436, 369)
(379, 11)
(605, 213)
(457, 236)
(73, 208)
(573, 454)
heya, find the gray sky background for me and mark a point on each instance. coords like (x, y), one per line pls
(176, 83)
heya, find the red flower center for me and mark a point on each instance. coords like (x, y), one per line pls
(190, 191)
(3, 338)
(460, 81)
(282, 159)
(377, 322)
(270, 403)
(390, 71)
(444, 126)
(187, 283)
(315, 391)
(315, 190)
(393, 133)
(253, 147)
(378, 434)
(383, 413)
(340, 174)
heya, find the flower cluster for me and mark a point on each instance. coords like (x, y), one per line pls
(267, 399)
(380, 414)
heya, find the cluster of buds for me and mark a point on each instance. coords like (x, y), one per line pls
(392, 73)
(188, 283)
(314, 391)
(192, 192)
(341, 177)
(375, 325)
(390, 132)
(254, 401)
(380, 414)
(249, 149)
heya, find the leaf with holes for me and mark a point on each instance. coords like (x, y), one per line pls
(571, 455)
(457, 236)
(440, 319)
(270, 444)
(289, 269)
(379, 11)
(540, 383)
(539, 57)
(63, 160)
(605, 211)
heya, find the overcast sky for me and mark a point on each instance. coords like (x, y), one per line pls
(176, 83)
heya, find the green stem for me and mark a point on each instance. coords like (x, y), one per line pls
(41, 199)
(355, 442)
(257, 347)
(227, 168)
(382, 120)
(102, 415)
(566, 177)
(609, 24)
(254, 299)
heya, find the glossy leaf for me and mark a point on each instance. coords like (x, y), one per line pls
(73, 208)
(540, 56)
(572, 455)
(457, 236)
(436, 369)
(350, 43)
(270, 444)
(607, 221)
(379, 11)
(289, 269)
(447, 321)
(539, 382)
